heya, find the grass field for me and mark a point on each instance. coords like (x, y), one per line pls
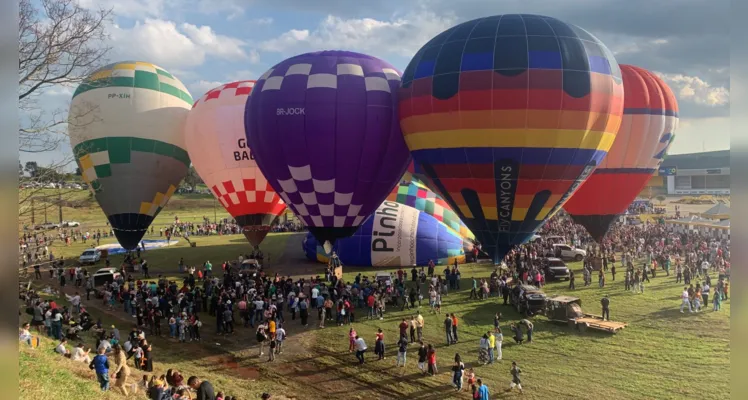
(662, 354)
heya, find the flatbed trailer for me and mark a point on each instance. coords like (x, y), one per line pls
(596, 322)
(568, 309)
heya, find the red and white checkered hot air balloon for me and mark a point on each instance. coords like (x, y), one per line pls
(217, 145)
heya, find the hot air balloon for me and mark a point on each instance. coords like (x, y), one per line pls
(649, 117)
(215, 139)
(415, 194)
(396, 235)
(507, 115)
(324, 130)
(126, 126)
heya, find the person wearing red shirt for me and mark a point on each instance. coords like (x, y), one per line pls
(431, 356)
(371, 302)
(403, 329)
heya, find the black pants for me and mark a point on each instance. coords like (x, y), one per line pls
(360, 356)
(454, 334)
(413, 333)
(304, 315)
(571, 285)
(606, 313)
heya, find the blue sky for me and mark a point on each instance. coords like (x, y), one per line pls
(205, 43)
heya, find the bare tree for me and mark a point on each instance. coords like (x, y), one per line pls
(59, 43)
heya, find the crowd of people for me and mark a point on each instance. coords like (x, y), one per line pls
(235, 297)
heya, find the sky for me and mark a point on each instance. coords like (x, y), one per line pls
(206, 43)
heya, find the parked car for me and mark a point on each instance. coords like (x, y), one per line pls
(555, 269)
(70, 224)
(90, 256)
(47, 226)
(567, 252)
(105, 275)
(528, 300)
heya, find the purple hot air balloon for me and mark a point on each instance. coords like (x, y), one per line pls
(324, 130)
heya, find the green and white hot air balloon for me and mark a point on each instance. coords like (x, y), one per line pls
(126, 125)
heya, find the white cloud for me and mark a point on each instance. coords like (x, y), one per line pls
(129, 8)
(242, 75)
(168, 45)
(214, 44)
(694, 89)
(402, 36)
(199, 88)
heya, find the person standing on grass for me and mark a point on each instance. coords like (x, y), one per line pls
(499, 341)
(483, 393)
(516, 381)
(280, 336)
(448, 329)
(422, 357)
(360, 346)
(458, 370)
(605, 303)
(379, 344)
(529, 327)
(685, 300)
(705, 293)
(261, 336)
(402, 349)
(273, 346)
(454, 328)
(352, 339)
(120, 371)
(491, 346)
(412, 329)
(100, 364)
(419, 326)
(431, 357)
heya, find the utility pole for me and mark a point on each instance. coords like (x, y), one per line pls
(59, 204)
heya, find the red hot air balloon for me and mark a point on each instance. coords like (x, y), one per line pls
(215, 139)
(650, 116)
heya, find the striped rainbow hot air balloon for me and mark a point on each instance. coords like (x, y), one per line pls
(507, 115)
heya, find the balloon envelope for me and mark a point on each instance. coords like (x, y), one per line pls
(215, 139)
(650, 116)
(507, 115)
(396, 235)
(415, 194)
(126, 126)
(324, 130)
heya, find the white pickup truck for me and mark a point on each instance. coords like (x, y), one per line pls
(567, 252)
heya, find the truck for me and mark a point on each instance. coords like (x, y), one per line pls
(568, 310)
(528, 300)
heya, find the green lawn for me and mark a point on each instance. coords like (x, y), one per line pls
(662, 354)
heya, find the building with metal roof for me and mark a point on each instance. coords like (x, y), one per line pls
(695, 173)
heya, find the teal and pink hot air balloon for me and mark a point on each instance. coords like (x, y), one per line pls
(508, 115)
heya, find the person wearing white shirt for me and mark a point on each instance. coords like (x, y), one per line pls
(106, 345)
(25, 335)
(75, 301)
(60, 349)
(360, 347)
(685, 300)
(80, 355)
(315, 292)
(705, 293)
